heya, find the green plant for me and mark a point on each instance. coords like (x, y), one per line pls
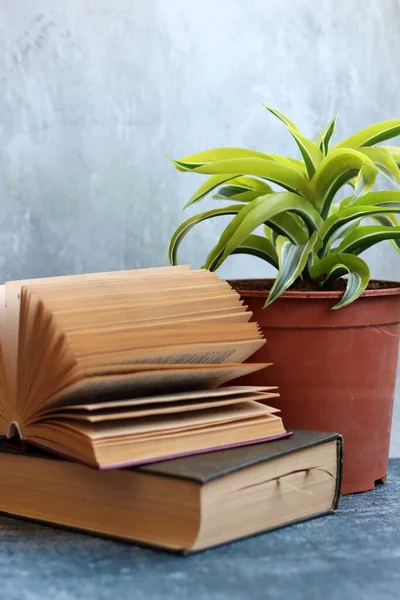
(303, 231)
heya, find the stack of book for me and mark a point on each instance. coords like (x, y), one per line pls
(131, 373)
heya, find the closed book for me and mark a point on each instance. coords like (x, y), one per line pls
(186, 504)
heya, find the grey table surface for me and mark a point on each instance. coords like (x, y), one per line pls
(354, 554)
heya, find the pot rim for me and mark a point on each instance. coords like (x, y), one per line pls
(392, 291)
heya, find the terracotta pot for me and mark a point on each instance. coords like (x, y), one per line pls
(336, 370)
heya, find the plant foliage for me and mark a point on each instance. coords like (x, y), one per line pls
(286, 212)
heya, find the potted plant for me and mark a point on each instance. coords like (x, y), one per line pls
(334, 359)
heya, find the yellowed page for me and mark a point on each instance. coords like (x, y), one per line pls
(97, 316)
(2, 310)
(105, 342)
(180, 409)
(4, 385)
(146, 427)
(221, 392)
(98, 338)
(218, 353)
(167, 286)
(11, 328)
(13, 298)
(150, 382)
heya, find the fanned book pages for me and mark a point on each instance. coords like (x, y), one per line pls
(123, 368)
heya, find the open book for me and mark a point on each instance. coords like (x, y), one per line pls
(123, 368)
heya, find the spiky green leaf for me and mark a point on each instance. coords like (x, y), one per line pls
(188, 163)
(334, 266)
(241, 197)
(269, 234)
(230, 190)
(342, 231)
(374, 134)
(345, 202)
(310, 152)
(384, 161)
(284, 223)
(187, 225)
(289, 225)
(243, 189)
(336, 169)
(249, 183)
(389, 221)
(352, 213)
(212, 260)
(287, 177)
(283, 118)
(382, 198)
(364, 237)
(292, 261)
(324, 137)
(290, 162)
(365, 180)
(208, 186)
(394, 152)
(262, 210)
(259, 246)
(298, 165)
(240, 185)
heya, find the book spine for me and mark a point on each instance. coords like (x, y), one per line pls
(339, 450)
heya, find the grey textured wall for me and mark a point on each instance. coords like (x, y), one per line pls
(94, 93)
